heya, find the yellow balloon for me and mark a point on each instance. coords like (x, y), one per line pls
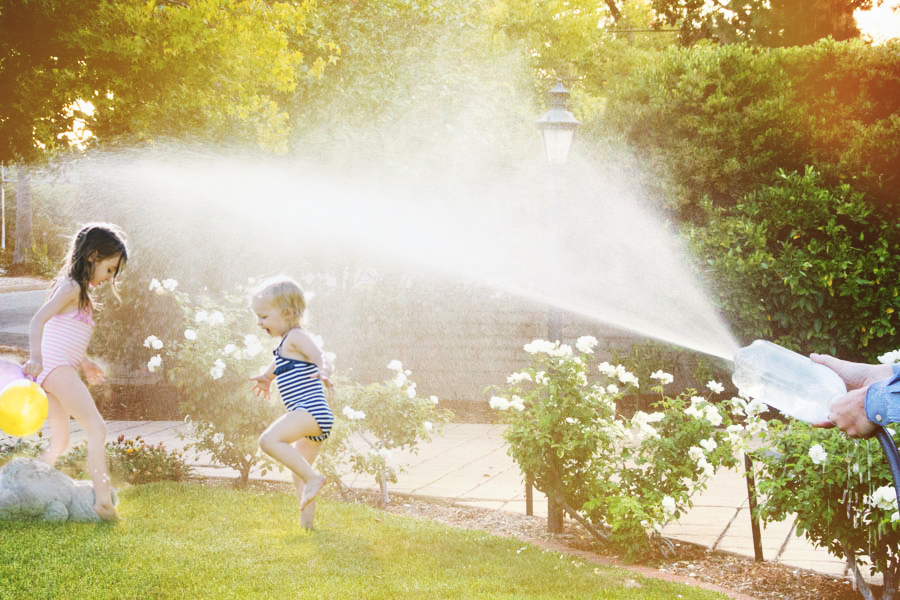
(23, 408)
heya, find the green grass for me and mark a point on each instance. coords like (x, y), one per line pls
(192, 541)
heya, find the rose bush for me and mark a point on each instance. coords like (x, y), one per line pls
(374, 421)
(625, 478)
(210, 362)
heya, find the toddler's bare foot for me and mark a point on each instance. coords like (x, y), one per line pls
(106, 512)
(310, 490)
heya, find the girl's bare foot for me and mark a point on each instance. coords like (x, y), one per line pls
(311, 489)
(106, 512)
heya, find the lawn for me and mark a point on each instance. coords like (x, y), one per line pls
(184, 540)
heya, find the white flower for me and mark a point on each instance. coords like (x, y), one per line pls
(434, 399)
(169, 284)
(228, 349)
(250, 340)
(712, 415)
(153, 342)
(663, 377)
(696, 453)
(562, 350)
(518, 378)
(818, 455)
(154, 363)
(218, 438)
(669, 506)
(889, 358)
(709, 445)
(190, 334)
(606, 368)
(571, 421)
(218, 369)
(201, 316)
(586, 343)
(155, 286)
(216, 318)
(715, 386)
(428, 426)
(541, 378)
(612, 389)
(353, 415)
(517, 403)
(642, 420)
(499, 403)
(395, 365)
(884, 498)
(538, 346)
(400, 379)
(411, 391)
(384, 453)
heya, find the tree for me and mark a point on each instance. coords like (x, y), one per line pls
(771, 23)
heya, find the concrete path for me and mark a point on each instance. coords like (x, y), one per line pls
(469, 465)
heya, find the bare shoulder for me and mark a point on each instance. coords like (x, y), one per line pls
(67, 291)
(300, 342)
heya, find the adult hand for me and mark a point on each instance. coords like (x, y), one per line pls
(848, 413)
(855, 375)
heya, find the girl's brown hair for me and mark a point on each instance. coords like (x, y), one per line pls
(93, 243)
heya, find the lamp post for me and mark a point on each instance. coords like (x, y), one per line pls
(557, 127)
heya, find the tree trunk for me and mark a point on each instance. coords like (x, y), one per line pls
(24, 236)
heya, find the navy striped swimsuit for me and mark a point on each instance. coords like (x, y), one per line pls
(299, 391)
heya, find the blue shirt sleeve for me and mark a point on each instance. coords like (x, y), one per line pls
(883, 400)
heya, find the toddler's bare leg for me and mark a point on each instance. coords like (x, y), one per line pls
(277, 440)
(309, 449)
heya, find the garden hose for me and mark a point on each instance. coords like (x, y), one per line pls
(893, 457)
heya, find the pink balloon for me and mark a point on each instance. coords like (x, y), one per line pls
(10, 372)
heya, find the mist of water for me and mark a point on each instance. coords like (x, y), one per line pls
(581, 239)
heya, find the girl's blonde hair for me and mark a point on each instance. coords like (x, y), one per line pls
(93, 243)
(285, 295)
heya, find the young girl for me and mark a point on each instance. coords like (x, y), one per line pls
(59, 336)
(300, 369)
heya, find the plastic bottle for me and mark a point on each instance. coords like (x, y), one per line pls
(787, 381)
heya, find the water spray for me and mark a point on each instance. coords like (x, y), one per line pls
(799, 388)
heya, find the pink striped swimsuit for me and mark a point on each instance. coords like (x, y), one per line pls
(65, 340)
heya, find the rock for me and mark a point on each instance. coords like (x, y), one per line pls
(33, 490)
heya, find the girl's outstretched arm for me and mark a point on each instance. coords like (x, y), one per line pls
(262, 382)
(63, 299)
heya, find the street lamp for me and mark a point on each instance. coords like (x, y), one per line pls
(558, 126)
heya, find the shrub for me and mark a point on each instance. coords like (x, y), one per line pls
(210, 361)
(806, 265)
(625, 477)
(841, 492)
(131, 461)
(377, 420)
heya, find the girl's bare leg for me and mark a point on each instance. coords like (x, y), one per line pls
(309, 450)
(58, 420)
(276, 441)
(68, 389)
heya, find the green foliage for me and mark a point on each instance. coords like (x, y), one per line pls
(385, 417)
(719, 122)
(807, 266)
(219, 70)
(761, 22)
(131, 460)
(628, 476)
(210, 362)
(840, 489)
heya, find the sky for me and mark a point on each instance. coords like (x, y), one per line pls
(881, 23)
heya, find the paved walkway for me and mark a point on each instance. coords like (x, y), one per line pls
(469, 465)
